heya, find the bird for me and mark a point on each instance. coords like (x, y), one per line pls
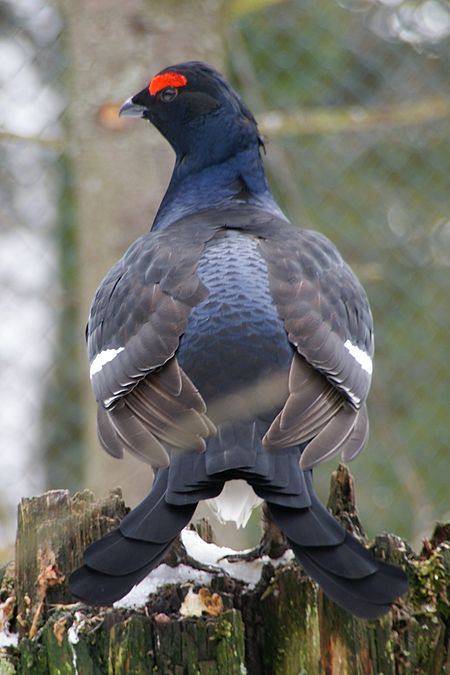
(232, 352)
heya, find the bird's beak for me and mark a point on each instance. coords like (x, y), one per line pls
(130, 109)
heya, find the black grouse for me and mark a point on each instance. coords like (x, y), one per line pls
(232, 352)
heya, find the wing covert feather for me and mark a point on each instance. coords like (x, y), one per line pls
(142, 309)
(324, 309)
(136, 320)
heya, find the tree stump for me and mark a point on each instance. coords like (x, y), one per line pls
(281, 625)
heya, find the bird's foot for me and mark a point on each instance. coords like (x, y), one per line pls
(271, 548)
(246, 556)
(178, 555)
(272, 544)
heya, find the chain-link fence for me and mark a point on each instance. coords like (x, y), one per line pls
(31, 105)
(353, 99)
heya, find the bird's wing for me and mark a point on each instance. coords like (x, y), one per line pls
(327, 317)
(137, 317)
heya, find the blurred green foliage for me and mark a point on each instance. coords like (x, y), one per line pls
(380, 192)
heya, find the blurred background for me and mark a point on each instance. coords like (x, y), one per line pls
(353, 100)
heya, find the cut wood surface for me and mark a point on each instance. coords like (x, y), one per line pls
(280, 625)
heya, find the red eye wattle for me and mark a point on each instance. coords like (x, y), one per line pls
(166, 80)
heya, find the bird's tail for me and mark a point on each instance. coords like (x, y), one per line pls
(346, 571)
(122, 558)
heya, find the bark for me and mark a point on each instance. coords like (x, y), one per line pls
(282, 626)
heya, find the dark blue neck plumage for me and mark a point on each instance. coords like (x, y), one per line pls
(238, 179)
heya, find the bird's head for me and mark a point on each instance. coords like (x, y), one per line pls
(196, 110)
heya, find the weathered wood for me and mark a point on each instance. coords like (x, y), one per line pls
(52, 532)
(282, 626)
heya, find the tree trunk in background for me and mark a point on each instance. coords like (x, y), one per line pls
(282, 626)
(121, 167)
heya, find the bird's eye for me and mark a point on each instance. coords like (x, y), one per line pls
(168, 94)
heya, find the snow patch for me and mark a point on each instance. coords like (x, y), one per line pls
(211, 554)
(247, 571)
(161, 576)
(206, 554)
(8, 639)
(73, 634)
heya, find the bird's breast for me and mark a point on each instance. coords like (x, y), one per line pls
(235, 336)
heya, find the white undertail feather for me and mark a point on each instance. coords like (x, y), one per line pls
(235, 503)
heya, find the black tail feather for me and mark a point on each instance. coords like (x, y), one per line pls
(98, 588)
(122, 558)
(117, 555)
(346, 571)
(367, 597)
(348, 559)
